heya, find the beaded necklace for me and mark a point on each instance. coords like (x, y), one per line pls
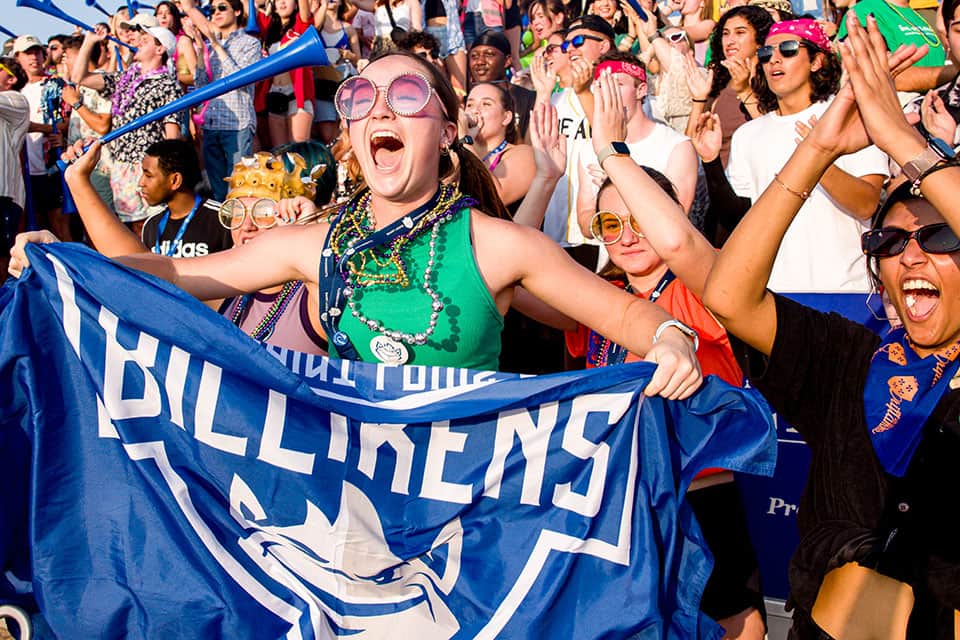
(931, 42)
(357, 223)
(127, 85)
(269, 322)
(608, 352)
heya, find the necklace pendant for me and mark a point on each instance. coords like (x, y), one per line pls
(389, 351)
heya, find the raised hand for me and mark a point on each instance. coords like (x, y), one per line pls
(697, 83)
(708, 137)
(549, 145)
(678, 373)
(741, 72)
(543, 78)
(82, 163)
(609, 120)
(289, 210)
(871, 71)
(935, 117)
(581, 71)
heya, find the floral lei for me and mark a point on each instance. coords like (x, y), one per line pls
(127, 86)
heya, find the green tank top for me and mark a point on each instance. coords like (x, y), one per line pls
(468, 328)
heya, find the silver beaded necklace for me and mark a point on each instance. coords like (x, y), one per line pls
(436, 304)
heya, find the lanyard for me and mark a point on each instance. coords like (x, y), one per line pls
(333, 282)
(617, 354)
(162, 226)
(500, 147)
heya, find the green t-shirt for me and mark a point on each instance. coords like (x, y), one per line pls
(900, 25)
(468, 328)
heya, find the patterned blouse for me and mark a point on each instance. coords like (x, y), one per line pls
(151, 94)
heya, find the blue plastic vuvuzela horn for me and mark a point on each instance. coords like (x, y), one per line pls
(306, 51)
(252, 26)
(6, 31)
(47, 7)
(96, 5)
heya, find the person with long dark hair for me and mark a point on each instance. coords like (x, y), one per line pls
(185, 56)
(725, 91)
(878, 412)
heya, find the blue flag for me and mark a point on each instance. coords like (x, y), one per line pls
(169, 477)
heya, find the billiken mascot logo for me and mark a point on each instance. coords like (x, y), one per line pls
(352, 582)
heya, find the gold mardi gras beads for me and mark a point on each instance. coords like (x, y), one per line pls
(266, 176)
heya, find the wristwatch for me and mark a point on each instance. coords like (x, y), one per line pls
(76, 105)
(936, 152)
(612, 149)
(681, 327)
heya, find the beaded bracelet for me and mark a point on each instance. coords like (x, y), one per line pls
(803, 195)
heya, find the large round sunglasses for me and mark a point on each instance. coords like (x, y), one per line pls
(407, 95)
(263, 213)
(787, 48)
(607, 227)
(891, 241)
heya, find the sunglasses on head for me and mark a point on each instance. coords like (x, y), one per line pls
(891, 241)
(221, 7)
(578, 41)
(263, 213)
(787, 48)
(607, 227)
(407, 95)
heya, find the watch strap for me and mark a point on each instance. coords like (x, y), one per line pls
(612, 149)
(76, 105)
(921, 163)
(688, 331)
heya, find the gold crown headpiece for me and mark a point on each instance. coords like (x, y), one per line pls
(266, 176)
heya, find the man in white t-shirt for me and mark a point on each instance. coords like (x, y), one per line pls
(585, 42)
(821, 249)
(14, 122)
(651, 144)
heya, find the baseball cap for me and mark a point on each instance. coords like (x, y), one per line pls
(593, 23)
(141, 21)
(25, 43)
(165, 37)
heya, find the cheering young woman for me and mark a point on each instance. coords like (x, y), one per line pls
(879, 414)
(408, 272)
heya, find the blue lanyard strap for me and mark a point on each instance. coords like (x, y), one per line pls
(500, 147)
(333, 270)
(162, 226)
(617, 354)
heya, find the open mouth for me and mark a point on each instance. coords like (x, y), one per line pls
(920, 297)
(776, 74)
(386, 149)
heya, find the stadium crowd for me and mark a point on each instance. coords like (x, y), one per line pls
(541, 186)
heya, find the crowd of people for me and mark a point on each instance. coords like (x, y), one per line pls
(542, 186)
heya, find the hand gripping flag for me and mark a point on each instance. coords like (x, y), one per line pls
(168, 477)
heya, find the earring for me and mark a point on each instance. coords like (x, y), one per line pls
(445, 149)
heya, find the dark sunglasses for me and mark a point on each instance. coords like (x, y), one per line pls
(891, 241)
(578, 41)
(221, 7)
(552, 49)
(433, 54)
(788, 49)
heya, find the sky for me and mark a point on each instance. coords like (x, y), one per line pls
(22, 20)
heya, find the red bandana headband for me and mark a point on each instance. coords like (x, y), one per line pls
(805, 29)
(616, 66)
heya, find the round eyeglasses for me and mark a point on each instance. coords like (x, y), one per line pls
(263, 213)
(607, 227)
(407, 95)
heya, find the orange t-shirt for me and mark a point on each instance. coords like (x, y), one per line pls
(714, 353)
